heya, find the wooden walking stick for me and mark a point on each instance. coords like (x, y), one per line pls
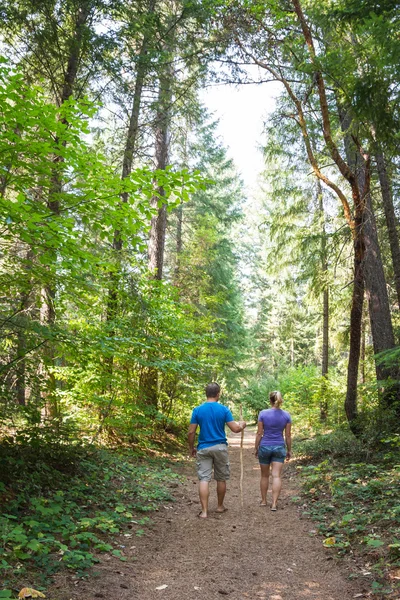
(241, 458)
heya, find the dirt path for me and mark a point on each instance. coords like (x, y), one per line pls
(247, 552)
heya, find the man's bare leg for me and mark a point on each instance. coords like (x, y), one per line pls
(221, 491)
(204, 492)
(264, 481)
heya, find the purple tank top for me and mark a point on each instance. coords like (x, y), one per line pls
(274, 421)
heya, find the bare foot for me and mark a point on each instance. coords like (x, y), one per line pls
(263, 503)
(202, 515)
(221, 509)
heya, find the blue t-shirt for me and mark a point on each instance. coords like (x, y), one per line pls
(274, 421)
(211, 417)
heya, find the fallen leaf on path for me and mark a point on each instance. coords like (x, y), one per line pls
(30, 593)
(330, 541)
(161, 587)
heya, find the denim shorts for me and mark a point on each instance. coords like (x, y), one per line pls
(269, 454)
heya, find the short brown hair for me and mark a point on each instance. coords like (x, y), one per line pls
(212, 390)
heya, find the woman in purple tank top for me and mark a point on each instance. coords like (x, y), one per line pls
(271, 449)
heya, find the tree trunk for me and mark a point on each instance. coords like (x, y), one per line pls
(363, 334)
(48, 317)
(179, 241)
(26, 303)
(375, 283)
(325, 307)
(148, 386)
(355, 329)
(390, 216)
(325, 334)
(156, 246)
(129, 153)
(133, 129)
(378, 299)
(21, 368)
(157, 238)
(159, 220)
(323, 414)
(48, 293)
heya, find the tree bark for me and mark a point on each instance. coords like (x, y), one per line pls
(390, 216)
(363, 335)
(325, 299)
(159, 220)
(378, 299)
(325, 308)
(48, 293)
(48, 317)
(356, 314)
(127, 163)
(26, 303)
(21, 368)
(156, 246)
(179, 241)
(325, 334)
(375, 283)
(133, 129)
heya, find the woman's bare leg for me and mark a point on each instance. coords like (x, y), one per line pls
(276, 471)
(264, 484)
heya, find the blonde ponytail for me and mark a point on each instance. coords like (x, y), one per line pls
(276, 399)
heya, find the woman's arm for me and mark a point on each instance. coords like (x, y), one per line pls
(288, 438)
(260, 433)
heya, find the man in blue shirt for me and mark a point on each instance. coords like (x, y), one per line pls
(212, 447)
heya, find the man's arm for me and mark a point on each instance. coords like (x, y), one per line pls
(191, 438)
(288, 438)
(260, 433)
(236, 426)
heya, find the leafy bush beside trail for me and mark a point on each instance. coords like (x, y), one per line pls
(352, 491)
(59, 505)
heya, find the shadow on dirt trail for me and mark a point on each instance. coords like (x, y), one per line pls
(247, 552)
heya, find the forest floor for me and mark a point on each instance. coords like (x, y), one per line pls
(246, 552)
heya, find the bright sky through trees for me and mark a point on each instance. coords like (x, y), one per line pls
(241, 111)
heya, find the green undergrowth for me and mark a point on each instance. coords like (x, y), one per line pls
(353, 492)
(62, 504)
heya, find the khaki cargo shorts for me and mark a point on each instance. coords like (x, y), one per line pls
(213, 456)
